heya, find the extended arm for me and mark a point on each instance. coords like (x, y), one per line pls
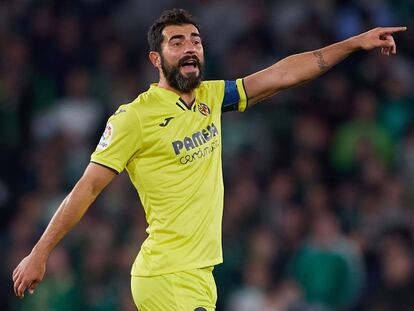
(299, 68)
(31, 269)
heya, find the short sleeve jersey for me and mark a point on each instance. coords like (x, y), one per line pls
(172, 154)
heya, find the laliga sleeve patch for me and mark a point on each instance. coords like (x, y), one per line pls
(106, 137)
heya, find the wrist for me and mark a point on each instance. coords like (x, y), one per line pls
(352, 44)
(40, 252)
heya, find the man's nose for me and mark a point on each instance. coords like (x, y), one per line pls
(190, 48)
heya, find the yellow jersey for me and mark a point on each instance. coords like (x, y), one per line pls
(172, 154)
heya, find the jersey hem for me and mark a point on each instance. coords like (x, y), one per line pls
(179, 269)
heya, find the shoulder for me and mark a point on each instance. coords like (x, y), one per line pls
(211, 84)
(129, 115)
(136, 106)
(212, 88)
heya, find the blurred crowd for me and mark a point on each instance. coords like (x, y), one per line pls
(319, 180)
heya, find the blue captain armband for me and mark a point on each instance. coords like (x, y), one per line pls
(235, 98)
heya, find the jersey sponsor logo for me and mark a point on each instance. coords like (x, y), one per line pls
(106, 137)
(195, 140)
(197, 146)
(166, 121)
(204, 109)
(200, 153)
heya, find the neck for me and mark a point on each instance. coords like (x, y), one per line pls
(188, 98)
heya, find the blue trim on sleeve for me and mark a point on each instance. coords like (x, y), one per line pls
(231, 96)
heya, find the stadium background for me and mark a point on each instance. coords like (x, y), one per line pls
(319, 180)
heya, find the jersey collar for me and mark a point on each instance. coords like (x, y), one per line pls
(170, 95)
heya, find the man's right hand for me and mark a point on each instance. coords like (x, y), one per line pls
(380, 37)
(30, 271)
(28, 274)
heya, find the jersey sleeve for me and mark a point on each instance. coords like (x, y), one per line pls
(121, 139)
(235, 98)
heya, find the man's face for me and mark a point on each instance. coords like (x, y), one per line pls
(182, 57)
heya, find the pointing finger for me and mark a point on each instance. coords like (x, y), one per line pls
(392, 29)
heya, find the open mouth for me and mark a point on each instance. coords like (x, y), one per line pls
(189, 65)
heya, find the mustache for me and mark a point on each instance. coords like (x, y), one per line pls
(189, 57)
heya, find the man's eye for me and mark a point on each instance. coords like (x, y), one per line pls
(176, 43)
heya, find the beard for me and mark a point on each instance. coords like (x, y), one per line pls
(180, 82)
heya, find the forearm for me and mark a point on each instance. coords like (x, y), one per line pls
(303, 67)
(296, 69)
(30, 271)
(68, 214)
(299, 68)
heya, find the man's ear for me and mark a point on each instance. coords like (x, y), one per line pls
(155, 58)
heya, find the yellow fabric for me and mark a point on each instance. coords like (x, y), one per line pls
(242, 94)
(173, 157)
(180, 291)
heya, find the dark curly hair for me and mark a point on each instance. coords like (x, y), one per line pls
(169, 17)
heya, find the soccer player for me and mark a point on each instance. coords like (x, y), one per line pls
(169, 141)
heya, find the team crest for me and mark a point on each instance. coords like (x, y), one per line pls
(106, 137)
(204, 110)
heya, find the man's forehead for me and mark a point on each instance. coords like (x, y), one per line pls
(174, 30)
